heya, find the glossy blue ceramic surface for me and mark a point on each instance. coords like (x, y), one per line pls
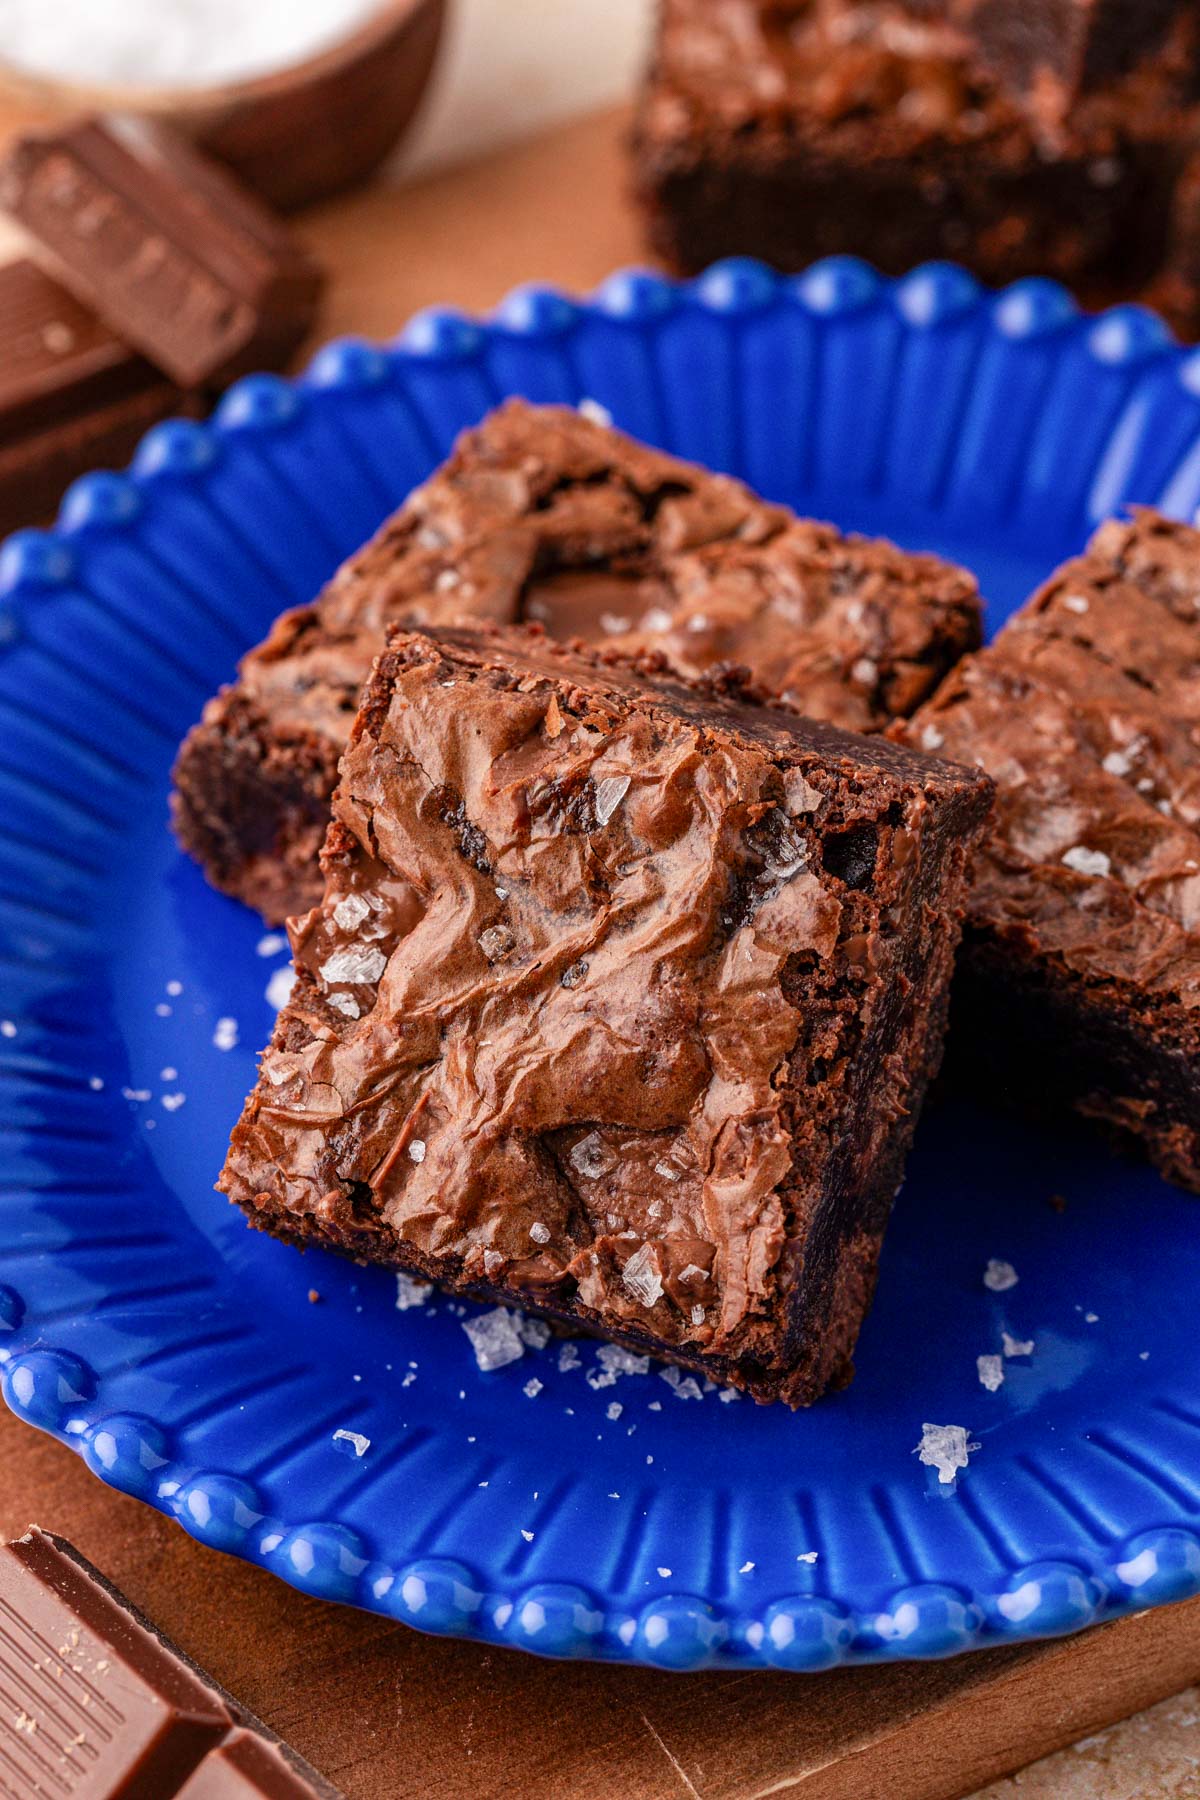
(179, 1353)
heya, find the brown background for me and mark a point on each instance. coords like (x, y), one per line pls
(388, 1714)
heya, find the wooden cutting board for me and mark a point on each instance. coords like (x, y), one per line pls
(388, 1714)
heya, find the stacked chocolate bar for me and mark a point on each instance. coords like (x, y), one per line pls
(1020, 137)
(154, 278)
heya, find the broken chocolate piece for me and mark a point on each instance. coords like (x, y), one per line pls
(72, 396)
(164, 244)
(99, 1704)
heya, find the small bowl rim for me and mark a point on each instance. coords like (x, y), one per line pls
(51, 93)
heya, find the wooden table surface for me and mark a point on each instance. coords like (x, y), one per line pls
(389, 1714)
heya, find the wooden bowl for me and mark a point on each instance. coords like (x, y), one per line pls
(296, 135)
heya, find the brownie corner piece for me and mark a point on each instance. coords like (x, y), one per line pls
(620, 1004)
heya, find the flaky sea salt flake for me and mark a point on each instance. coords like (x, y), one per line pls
(357, 965)
(642, 1277)
(1087, 862)
(350, 912)
(279, 988)
(535, 1333)
(991, 1372)
(999, 1276)
(494, 1339)
(614, 1360)
(1016, 1346)
(225, 1033)
(539, 1233)
(496, 942)
(271, 944)
(410, 1292)
(591, 1157)
(358, 1443)
(944, 1448)
(609, 794)
(593, 411)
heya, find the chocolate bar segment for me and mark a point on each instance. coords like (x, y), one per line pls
(164, 245)
(95, 1704)
(247, 1766)
(73, 396)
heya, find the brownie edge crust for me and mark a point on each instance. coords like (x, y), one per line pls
(619, 1006)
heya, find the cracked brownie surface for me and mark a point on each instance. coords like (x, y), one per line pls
(545, 516)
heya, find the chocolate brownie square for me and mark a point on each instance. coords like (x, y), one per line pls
(790, 132)
(1080, 969)
(620, 1003)
(544, 515)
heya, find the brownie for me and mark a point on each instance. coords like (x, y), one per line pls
(620, 1003)
(544, 515)
(1080, 969)
(1055, 50)
(790, 133)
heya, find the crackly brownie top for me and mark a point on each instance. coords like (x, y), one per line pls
(544, 515)
(781, 67)
(578, 928)
(1086, 711)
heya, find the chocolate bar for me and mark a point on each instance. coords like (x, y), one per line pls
(95, 1703)
(72, 395)
(170, 251)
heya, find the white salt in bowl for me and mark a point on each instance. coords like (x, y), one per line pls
(296, 134)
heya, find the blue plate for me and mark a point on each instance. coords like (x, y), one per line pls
(352, 1445)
